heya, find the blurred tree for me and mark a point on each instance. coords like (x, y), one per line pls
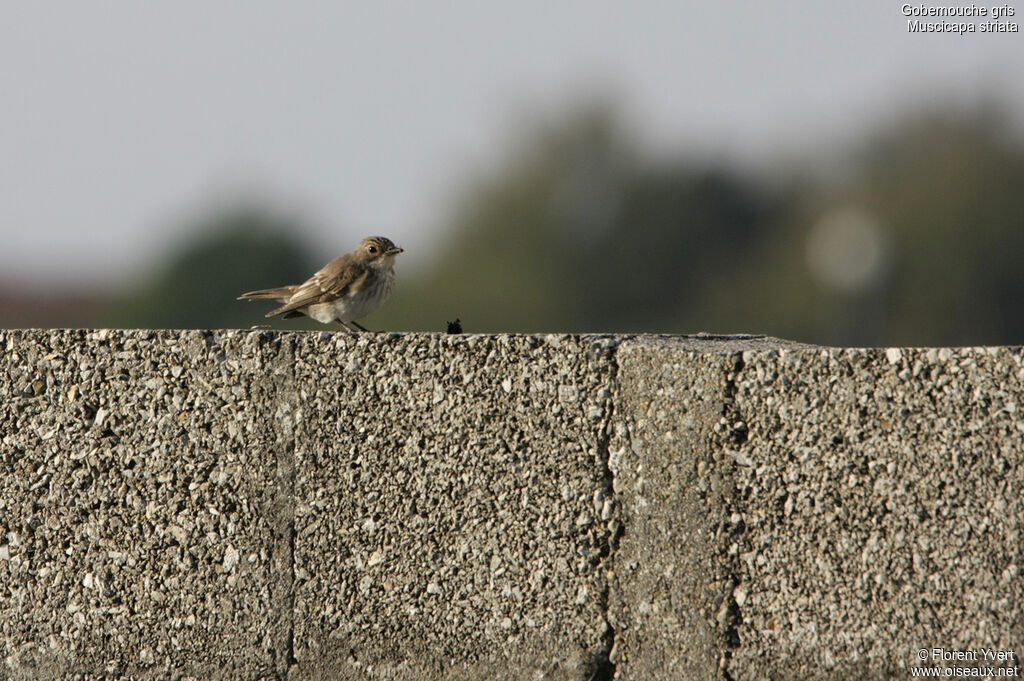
(950, 190)
(236, 250)
(578, 234)
(923, 243)
(932, 216)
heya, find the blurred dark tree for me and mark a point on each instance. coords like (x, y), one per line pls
(951, 190)
(943, 193)
(578, 233)
(921, 242)
(236, 250)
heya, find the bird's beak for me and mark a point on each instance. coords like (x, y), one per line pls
(395, 251)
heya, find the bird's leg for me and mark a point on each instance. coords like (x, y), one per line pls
(360, 326)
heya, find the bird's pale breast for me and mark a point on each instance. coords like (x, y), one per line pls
(364, 302)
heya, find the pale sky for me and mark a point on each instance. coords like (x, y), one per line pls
(120, 119)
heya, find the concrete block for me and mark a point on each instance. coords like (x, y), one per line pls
(453, 507)
(263, 505)
(669, 604)
(881, 510)
(797, 512)
(141, 528)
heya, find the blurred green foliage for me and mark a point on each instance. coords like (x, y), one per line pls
(580, 229)
(234, 251)
(580, 234)
(952, 191)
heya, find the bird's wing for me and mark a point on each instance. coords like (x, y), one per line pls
(333, 281)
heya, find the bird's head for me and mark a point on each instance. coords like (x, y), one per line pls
(377, 251)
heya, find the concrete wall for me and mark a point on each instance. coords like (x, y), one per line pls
(249, 505)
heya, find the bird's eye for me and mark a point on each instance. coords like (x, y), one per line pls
(372, 249)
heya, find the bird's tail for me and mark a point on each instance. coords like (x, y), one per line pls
(283, 293)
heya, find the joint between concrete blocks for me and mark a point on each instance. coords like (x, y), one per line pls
(285, 407)
(603, 667)
(735, 435)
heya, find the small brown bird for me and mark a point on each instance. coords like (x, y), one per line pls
(346, 289)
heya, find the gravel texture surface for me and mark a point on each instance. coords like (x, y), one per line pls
(266, 505)
(816, 513)
(453, 513)
(139, 523)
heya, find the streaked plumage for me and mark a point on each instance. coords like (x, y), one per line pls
(348, 288)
